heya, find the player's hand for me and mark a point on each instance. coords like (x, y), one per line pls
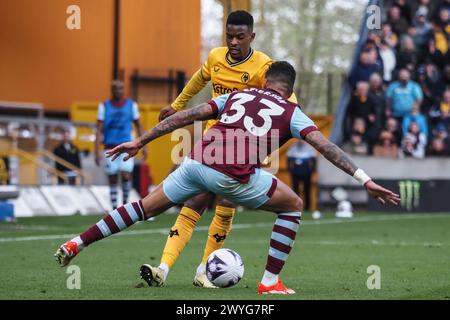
(166, 112)
(98, 158)
(381, 194)
(132, 148)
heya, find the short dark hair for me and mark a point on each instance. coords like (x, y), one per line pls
(282, 72)
(240, 18)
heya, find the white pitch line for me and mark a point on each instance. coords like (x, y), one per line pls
(301, 241)
(240, 226)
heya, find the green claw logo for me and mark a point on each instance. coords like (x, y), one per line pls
(409, 194)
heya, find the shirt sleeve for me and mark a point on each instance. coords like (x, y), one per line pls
(101, 112)
(193, 87)
(136, 115)
(218, 103)
(301, 124)
(205, 70)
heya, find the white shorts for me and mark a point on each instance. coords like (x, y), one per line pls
(118, 165)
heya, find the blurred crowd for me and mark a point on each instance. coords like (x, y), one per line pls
(400, 106)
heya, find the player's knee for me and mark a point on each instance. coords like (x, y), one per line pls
(198, 204)
(225, 203)
(126, 176)
(295, 204)
(113, 179)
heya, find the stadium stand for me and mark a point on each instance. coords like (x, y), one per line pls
(394, 105)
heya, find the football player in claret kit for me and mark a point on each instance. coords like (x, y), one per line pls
(260, 115)
(230, 68)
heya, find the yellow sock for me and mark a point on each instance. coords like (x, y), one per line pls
(179, 235)
(218, 230)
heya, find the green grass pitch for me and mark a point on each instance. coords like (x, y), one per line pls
(329, 260)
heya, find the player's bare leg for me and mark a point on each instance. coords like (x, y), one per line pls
(287, 205)
(116, 221)
(126, 185)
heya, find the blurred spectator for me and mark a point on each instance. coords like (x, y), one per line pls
(301, 159)
(360, 105)
(431, 84)
(366, 66)
(386, 145)
(423, 30)
(440, 114)
(446, 76)
(356, 145)
(67, 151)
(402, 95)
(393, 127)
(378, 98)
(389, 36)
(387, 55)
(444, 19)
(440, 37)
(438, 6)
(398, 23)
(439, 147)
(415, 117)
(405, 10)
(441, 131)
(433, 54)
(414, 143)
(406, 57)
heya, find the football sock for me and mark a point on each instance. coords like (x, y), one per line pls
(126, 187)
(179, 235)
(113, 195)
(219, 228)
(118, 220)
(201, 268)
(165, 268)
(269, 279)
(281, 242)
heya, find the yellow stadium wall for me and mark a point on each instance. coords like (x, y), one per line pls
(42, 61)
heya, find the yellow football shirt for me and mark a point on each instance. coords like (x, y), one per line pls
(227, 76)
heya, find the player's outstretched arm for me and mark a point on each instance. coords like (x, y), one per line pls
(180, 119)
(194, 86)
(340, 159)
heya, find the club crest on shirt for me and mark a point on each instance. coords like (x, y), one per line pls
(245, 77)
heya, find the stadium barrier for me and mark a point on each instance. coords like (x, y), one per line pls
(423, 184)
(64, 200)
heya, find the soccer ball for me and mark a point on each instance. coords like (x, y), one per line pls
(224, 268)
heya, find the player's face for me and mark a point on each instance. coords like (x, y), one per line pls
(239, 39)
(117, 91)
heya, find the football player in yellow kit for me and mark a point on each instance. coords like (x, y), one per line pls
(230, 68)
